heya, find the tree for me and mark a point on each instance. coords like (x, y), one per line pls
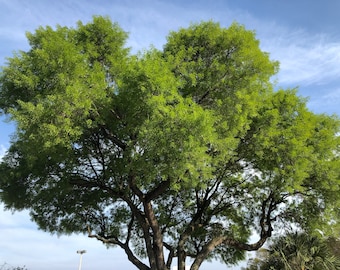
(297, 251)
(6, 266)
(176, 153)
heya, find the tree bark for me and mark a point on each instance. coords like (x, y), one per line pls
(158, 248)
(181, 260)
(181, 256)
(132, 258)
(205, 252)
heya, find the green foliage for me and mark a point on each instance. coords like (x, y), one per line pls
(188, 148)
(297, 251)
(219, 67)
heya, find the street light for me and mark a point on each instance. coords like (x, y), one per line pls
(81, 252)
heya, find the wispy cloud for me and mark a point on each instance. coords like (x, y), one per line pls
(332, 96)
(304, 59)
(327, 100)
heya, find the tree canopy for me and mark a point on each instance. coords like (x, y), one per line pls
(182, 152)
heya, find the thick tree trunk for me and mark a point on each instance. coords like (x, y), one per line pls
(181, 252)
(158, 248)
(181, 260)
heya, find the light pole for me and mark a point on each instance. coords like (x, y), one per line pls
(81, 252)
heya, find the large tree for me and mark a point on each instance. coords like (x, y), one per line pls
(183, 152)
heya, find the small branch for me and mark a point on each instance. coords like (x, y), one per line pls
(244, 246)
(113, 138)
(203, 97)
(135, 189)
(129, 229)
(82, 183)
(112, 241)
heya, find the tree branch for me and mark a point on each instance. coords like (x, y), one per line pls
(201, 256)
(157, 235)
(115, 241)
(171, 254)
(268, 206)
(144, 223)
(129, 229)
(113, 138)
(135, 189)
(163, 186)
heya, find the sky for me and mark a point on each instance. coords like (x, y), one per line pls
(303, 35)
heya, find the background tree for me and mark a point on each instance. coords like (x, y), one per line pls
(297, 251)
(333, 244)
(7, 266)
(186, 150)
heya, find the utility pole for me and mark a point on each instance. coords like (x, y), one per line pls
(81, 252)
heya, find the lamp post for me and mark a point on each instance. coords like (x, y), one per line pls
(81, 252)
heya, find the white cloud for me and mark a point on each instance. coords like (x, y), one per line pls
(304, 60)
(3, 150)
(22, 244)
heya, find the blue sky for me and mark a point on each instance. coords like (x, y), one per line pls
(303, 35)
